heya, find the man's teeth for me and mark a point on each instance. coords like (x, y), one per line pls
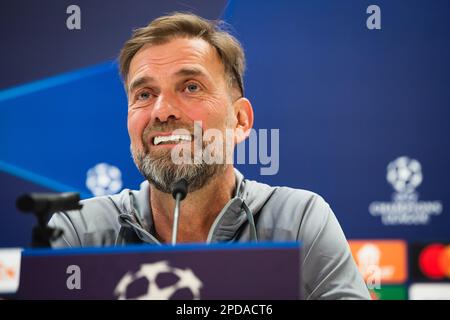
(171, 139)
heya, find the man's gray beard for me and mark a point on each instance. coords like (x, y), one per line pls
(162, 173)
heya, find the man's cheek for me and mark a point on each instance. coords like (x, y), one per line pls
(135, 137)
(206, 119)
(195, 114)
(204, 111)
(130, 127)
(135, 126)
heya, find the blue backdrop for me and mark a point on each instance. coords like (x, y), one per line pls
(348, 101)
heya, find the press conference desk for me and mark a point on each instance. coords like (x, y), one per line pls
(219, 271)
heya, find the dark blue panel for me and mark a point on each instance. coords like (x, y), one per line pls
(36, 42)
(349, 100)
(68, 110)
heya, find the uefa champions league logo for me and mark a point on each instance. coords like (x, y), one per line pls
(104, 179)
(159, 281)
(405, 175)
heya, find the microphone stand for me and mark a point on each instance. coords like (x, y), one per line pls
(176, 217)
(179, 192)
(42, 205)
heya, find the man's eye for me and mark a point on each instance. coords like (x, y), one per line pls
(192, 87)
(143, 96)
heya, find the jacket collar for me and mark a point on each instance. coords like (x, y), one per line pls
(136, 214)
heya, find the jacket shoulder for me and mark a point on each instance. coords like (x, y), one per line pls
(329, 271)
(96, 221)
(289, 207)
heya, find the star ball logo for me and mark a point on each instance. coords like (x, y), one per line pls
(405, 176)
(159, 281)
(104, 179)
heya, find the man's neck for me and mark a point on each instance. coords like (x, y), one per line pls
(197, 212)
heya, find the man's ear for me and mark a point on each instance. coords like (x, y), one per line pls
(243, 112)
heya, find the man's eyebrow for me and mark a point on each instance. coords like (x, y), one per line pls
(139, 82)
(184, 72)
(190, 72)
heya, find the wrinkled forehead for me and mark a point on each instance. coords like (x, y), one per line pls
(165, 60)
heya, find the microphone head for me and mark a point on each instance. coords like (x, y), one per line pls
(25, 203)
(48, 202)
(180, 187)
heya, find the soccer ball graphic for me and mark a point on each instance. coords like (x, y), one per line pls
(104, 179)
(159, 281)
(404, 174)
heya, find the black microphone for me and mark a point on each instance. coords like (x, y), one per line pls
(180, 188)
(48, 202)
(42, 205)
(179, 192)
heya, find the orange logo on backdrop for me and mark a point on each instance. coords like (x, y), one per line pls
(6, 273)
(385, 259)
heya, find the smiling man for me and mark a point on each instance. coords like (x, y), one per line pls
(182, 75)
(170, 86)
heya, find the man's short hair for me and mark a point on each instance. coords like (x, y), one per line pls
(166, 28)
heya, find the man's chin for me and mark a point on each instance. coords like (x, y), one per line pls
(161, 172)
(160, 153)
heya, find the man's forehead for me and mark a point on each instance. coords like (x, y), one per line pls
(176, 54)
(184, 44)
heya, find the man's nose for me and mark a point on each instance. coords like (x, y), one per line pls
(165, 109)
